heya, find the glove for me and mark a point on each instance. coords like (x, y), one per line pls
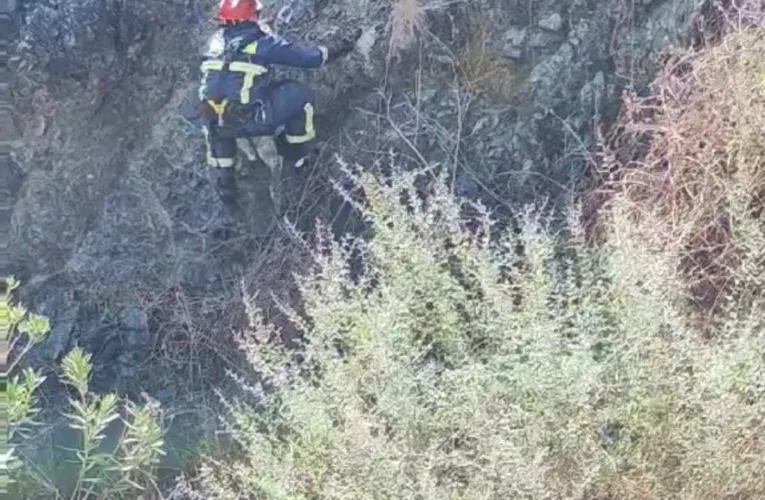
(343, 46)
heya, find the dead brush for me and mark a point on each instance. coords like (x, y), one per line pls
(485, 71)
(689, 160)
(190, 335)
(407, 18)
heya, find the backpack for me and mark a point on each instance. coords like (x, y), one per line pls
(221, 83)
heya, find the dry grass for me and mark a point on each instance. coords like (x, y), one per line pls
(483, 70)
(689, 159)
(407, 19)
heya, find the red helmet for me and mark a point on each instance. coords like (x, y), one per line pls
(238, 10)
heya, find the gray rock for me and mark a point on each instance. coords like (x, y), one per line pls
(135, 324)
(579, 32)
(553, 22)
(593, 94)
(7, 6)
(541, 39)
(133, 243)
(513, 52)
(666, 24)
(515, 36)
(549, 76)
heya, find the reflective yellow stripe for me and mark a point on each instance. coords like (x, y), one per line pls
(246, 67)
(220, 162)
(214, 65)
(211, 160)
(310, 132)
(208, 147)
(251, 48)
(250, 72)
(205, 68)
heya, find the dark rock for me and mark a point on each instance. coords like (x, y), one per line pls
(133, 241)
(7, 5)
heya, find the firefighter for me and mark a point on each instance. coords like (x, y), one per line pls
(239, 98)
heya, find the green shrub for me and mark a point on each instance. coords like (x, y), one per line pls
(439, 363)
(122, 472)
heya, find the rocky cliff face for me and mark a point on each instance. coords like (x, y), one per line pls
(117, 233)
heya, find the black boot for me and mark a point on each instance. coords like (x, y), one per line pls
(299, 157)
(225, 187)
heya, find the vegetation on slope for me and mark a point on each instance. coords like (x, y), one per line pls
(439, 363)
(97, 470)
(693, 178)
(445, 356)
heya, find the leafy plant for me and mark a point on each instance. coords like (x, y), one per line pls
(17, 324)
(122, 472)
(125, 470)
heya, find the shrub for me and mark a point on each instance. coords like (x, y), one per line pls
(122, 472)
(438, 362)
(689, 157)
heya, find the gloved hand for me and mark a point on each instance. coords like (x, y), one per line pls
(343, 46)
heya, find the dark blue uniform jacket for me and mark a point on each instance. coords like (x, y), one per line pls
(239, 57)
(240, 96)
